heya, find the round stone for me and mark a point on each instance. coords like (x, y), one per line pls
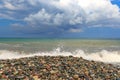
(76, 76)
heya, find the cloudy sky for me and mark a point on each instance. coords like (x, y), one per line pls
(60, 18)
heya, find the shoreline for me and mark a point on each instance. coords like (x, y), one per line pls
(57, 68)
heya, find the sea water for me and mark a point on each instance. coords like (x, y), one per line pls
(104, 50)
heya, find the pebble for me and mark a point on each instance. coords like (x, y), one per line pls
(53, 72)
(76, 76)
(57, 68)
(19, 77)
(35, 78)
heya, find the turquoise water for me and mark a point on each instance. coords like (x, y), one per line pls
(35, 45)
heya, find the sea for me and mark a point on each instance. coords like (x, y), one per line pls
(103, 50)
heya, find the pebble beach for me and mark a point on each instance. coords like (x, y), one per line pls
(57, 68)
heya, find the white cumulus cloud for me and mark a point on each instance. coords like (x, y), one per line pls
(87, 11)
(63, 15)
(42, 16)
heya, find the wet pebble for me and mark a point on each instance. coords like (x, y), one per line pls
(57, 68)
(76, 76)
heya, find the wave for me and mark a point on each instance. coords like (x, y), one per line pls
(102, 56)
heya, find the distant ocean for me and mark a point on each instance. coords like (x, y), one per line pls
(104, 50)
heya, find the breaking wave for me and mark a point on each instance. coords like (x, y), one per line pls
(102, 56)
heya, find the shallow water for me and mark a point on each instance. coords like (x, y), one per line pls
(92, 49)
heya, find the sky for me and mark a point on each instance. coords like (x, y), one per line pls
(60, 18)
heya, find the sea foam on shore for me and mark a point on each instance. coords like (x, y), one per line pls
(102, 56)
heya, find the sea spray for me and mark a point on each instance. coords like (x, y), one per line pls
(102, 56)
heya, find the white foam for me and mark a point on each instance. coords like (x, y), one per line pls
(103, 56)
